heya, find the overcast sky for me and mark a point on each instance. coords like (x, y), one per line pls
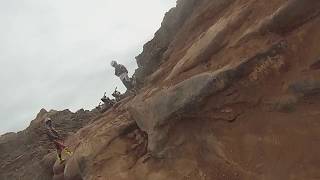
(55, 54)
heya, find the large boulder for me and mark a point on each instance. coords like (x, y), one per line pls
(154, 114)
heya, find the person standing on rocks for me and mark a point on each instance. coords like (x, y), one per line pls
(55, 137)
(122, 72)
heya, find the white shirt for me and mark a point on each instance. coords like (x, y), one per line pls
(124, 77)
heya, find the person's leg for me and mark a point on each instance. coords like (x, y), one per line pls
(127, 84)
(60, 144)
(63, 147)
(126, 81)
(58, 149)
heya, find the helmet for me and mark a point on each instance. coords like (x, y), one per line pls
(48, 120)
(113, 63)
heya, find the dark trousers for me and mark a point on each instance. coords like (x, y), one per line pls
(59, 147)
(127, 84)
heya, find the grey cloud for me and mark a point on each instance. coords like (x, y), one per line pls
(55, 54)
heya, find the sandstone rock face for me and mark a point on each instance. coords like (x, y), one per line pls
(72, 170)
(152, 53)
(288, 17)
(156, 51)
(293, 14)
(266, 76)
(305, 87)
(152, 114)
(315, 65)
(233, 93)
(58, 168)
(48, 161)
(210, 42)
(58, 177)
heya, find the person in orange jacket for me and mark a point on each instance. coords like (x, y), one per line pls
(55, 137)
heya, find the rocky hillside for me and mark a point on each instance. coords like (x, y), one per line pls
(28, 154)
(229, 90)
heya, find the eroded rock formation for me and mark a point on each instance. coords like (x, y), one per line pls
(230, 90)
